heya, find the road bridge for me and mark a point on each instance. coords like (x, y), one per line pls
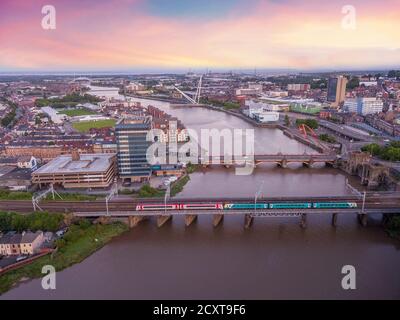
(342, 131)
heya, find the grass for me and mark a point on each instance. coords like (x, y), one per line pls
(77, 112)
(71, 197)
(275, 102)
(87, 125)
(15, 195)
(231, 105)
(190, 168)
(148, 192)
(327, 138)
(178, 185)
(78, 243)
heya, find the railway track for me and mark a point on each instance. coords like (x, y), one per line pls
(25, 206)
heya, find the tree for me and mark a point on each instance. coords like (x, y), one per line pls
(354, 82)
(287, 120)
(5, 221)
(312, 123)
(327, 138)
(373, 148)
(392, 74)
(19, 223)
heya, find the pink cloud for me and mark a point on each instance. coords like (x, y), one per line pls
(270, 34)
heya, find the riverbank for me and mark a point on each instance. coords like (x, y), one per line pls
(78, 243)
(243, 117)
(392, 227)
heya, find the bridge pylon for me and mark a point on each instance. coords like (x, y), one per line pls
(363, 219)
(334, 219)
(303, 221)
(189, 219)
(161, 220)
(248, 221)
(217, 219)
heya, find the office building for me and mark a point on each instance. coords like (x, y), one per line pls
(336, 91)
(364, 106)
(298, 87)
(132, 145)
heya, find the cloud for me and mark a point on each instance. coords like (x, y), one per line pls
(129, 34)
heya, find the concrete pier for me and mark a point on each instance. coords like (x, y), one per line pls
(133, 221)
(217, 218)
(303, 222)
(161, 220)
(385, 219)
(102, 220)
(283, 163)
(334, 219)
(248, 221)
(189, 219)
(363, 219)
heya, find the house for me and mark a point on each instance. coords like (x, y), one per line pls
(31, 242)
(26, 243)
(27, 162)
(9, 244)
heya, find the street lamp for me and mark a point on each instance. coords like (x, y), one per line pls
(167, 194)
(257, 195)
(363, 203)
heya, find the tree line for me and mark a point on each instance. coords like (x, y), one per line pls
(389, 152)
(43, 221)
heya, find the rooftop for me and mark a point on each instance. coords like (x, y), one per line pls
(87, 163)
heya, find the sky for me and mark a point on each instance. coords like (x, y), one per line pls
(140, 35)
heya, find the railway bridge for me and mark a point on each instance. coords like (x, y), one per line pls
(280, 159)
(383, 203)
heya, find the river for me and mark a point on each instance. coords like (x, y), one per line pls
(274, 259)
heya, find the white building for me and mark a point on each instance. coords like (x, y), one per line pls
(369, 83)
(27, 162)
(248, 92)
(133, 86)
(260, 111)
(364, 106)
(178, 135)
(275, 94)
(54, 115)
(269, 116)
(89, 117)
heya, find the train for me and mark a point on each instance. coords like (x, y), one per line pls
(246, 206)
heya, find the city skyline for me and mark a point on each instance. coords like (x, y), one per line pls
(149, 36)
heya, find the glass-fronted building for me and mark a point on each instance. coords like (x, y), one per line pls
(364, 106)
(132, 145)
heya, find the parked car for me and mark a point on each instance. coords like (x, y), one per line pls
(126, 184)
(20, 258)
